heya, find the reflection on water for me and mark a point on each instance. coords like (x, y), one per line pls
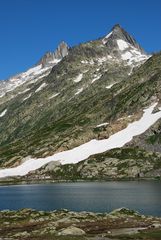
(144, 196)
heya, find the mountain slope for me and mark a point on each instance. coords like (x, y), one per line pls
(42, 69)
(88, 95)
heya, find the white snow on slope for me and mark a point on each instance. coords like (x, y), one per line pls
(30, 76)
(35, 79)
(96, 77)
(94, 146)
(110, 86)
(41, 87)
(106, 38)
(78, 78)
(27, 97)
(84, 62)
(26, 90)
(130, 53)
(127, 55)
(133, 55)
(102, 124)
(54, 95)
(122, 44)
(55, 61)
(79, 91)
(3, 113)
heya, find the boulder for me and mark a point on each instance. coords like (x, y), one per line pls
(72, 231)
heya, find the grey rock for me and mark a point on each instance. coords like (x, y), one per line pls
(59, 53)
(72, 231)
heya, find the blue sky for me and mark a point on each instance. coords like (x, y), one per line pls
(29, 28)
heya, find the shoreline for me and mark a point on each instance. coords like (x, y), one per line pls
(62, 224)
(9, 182)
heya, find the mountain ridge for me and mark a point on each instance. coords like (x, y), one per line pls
(42, 68)
(95, 91)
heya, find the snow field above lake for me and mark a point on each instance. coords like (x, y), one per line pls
(94, 146)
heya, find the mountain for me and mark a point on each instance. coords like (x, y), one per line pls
(123, 46)
(51, 58)
(94, 98)
(42, 69)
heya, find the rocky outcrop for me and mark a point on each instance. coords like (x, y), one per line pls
(31, 224)
(117, 33)
(123, 46)
(56, 56)
(71, 231)
(61, 51)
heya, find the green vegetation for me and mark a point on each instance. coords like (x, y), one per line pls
(62, 224)
(41, 126)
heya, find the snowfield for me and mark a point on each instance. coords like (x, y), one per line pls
(122, 44)
(41, 87)
(3, 113)
(106, 38)
(102, 124)
(79, 91)
(54, 95)
(110, 86)
(78, 78)
(94, 146)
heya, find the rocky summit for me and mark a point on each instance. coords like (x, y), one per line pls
(56, 56)
(90, 111)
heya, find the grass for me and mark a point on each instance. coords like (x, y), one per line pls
(150, 235)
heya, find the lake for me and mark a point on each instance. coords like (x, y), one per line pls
(143, 196)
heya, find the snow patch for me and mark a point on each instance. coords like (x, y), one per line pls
(79, 91)
(26, 90)
(126, 56)
(55, 61)
(102, 124)
(96, 78)
(27, 97)
(132, 55)
(78, 78)
(122, 44)
(84, 61)
(101, 60)
(94, 146)
(54, 95)
(41, 87)
(33, 80)
(110, 86)
(91, 62)
(3, 113)
(106, 38)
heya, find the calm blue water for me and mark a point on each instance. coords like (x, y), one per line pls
(144, 196)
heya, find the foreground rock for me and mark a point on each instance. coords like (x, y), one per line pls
(72, 231)
(122, 223)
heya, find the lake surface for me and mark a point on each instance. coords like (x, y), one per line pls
(143, 196)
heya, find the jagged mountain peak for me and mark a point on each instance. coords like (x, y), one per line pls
(116, 26)
(41, 69)
(62, 50)
(118, 33)
(56, 56)
(122, 46)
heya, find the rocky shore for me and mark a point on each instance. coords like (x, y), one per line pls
(121, 224)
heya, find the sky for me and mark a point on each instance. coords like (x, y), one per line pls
(29, 28)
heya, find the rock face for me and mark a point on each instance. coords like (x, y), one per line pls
(42, 68)
(123, 46)
(119, 33)
(61, 51)
(72, 231)
(54, 57)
